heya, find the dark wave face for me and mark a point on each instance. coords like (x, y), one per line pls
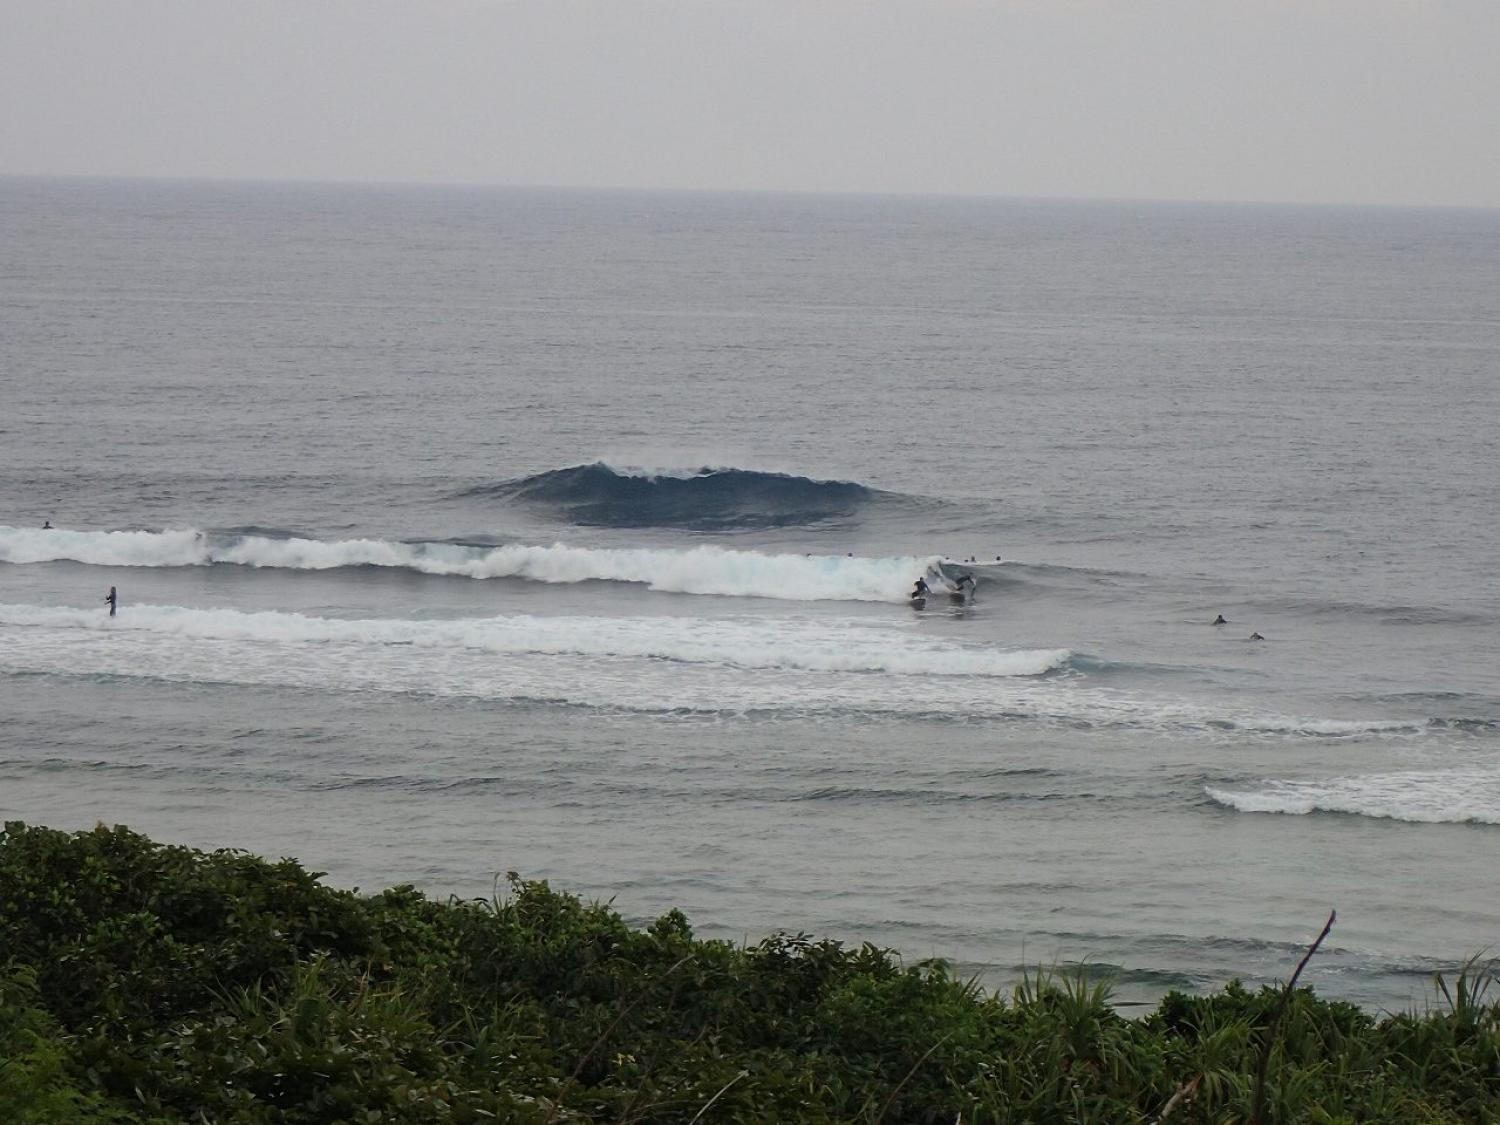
(711, 499)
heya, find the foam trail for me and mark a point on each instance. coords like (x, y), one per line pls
(789, 645)
(661, 665)
(696, 570)
(1454, 796)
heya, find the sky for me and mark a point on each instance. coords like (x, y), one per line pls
(1317, 101)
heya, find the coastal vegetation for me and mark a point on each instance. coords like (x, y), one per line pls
(150, 983)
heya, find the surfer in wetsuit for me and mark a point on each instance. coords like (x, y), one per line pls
(1220, 620)
(920, 590)
(1256, 637)
(46, 525)
(111, 599)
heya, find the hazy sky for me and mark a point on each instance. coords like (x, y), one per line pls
(1305, 100)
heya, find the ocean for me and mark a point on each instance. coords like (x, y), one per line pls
(459, 531)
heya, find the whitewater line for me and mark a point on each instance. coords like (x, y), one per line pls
(800, 646)
(1464, 795)
(692, 570)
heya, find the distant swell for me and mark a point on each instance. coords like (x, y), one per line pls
(1455, 796)
(698, 570)
(708, 499)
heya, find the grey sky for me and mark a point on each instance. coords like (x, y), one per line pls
(1303, 100)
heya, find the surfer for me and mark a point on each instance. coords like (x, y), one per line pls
(1220, 620)
(111, 599)
(46, 525)
(920, 590)
(1256, 637)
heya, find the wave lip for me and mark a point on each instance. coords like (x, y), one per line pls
(696, 570)
(708, 499)
(1455, 796)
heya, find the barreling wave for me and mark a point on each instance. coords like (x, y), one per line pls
(799, 647)
(707, 499)
(1452, 796)
(697, 570)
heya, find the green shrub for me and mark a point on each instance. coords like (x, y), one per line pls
(152, 983)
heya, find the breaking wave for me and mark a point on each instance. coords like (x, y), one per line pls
(706, 499)
(696, 570)
(1452, 796)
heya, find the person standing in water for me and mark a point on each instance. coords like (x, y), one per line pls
(111, 598)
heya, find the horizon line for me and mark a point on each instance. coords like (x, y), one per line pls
(815, 193)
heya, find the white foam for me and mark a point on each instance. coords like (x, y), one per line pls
(1449, 796)
(653, 665)
(695, 570)
(793, 645)
(104, 548)
(810, 665)
(684, 464)
(677, 468)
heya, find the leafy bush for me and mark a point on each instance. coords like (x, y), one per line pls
(151, 983)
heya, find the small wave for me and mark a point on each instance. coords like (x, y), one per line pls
(918, 796)
(708, 499)
(1455, 796)
(1336, 728)
(1123, 975)
(1459, 722)
(1382, 614)
(1055, 573)
(696, 570)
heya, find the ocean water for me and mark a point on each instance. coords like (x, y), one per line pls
(461, 531)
